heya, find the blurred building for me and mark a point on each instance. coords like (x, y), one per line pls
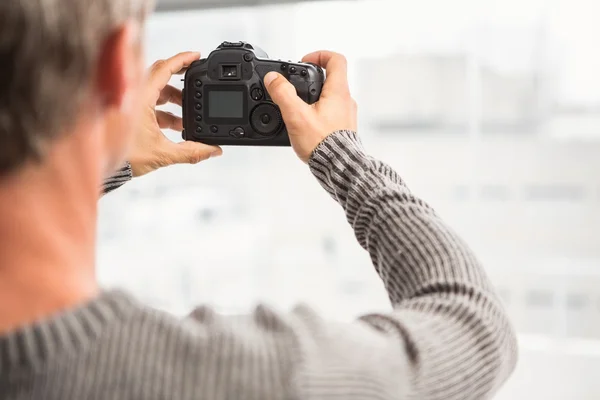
(525, 199)
(443, 93)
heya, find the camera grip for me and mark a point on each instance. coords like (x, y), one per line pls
(308, 79)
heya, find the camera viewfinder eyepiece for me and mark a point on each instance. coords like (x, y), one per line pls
(230, 72)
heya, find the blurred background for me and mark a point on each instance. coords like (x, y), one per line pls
(490, 110)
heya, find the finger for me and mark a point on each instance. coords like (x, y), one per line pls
(167, 120)
(192, 152)
(283, 93)
(336, 66)
(170, 94)
(182, 70)
(162, 70)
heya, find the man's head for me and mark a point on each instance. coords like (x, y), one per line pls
(70, 70)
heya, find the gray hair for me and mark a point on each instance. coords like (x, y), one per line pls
(48, 51)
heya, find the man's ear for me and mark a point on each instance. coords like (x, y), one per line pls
(119, 76)
(118, 67)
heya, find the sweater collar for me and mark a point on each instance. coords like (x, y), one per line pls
(69, 330)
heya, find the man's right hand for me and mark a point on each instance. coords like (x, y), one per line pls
(151, 149)
(309, 125)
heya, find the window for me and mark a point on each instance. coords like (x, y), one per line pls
(427, 93)
(540, 299)
(494, 193)
(577, 301)
(329, 245)
(460, 192)
(554, 193)
(351, 287)
(414, 127)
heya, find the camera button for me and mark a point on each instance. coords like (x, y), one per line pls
(304, 72)
(199, 95)
(238, 132)
(292, 70)
(257, 94)
(283, 67)
(248, 57)
(198, 82)
(233, 44)
(198, 106)
(198, 129)
(214, 129)
(198, 117)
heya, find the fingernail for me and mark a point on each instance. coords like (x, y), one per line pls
(270, 77)
(216, 153)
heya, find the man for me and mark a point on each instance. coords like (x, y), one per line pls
(72, 98)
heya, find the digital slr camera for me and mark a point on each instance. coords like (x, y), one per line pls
(225, 101)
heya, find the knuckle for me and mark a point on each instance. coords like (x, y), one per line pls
(158, 65)
(341, 58)
(343, 95)
(197, 157)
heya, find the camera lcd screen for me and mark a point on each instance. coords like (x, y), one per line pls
(225, 104)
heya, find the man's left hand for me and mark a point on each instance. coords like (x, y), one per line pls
(151, 149)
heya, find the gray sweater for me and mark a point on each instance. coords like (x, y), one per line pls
(447, 337)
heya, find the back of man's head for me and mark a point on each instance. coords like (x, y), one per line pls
(49, 57)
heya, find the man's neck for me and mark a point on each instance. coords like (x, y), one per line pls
(47, 240)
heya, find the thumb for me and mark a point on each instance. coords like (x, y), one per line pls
(282, 92)
(192, 152)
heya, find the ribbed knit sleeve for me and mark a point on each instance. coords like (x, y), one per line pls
(447, 317)
(118, 179)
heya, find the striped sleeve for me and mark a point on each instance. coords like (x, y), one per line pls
(118, 179)
(446, 315)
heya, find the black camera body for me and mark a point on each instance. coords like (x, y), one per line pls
(225, 101)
